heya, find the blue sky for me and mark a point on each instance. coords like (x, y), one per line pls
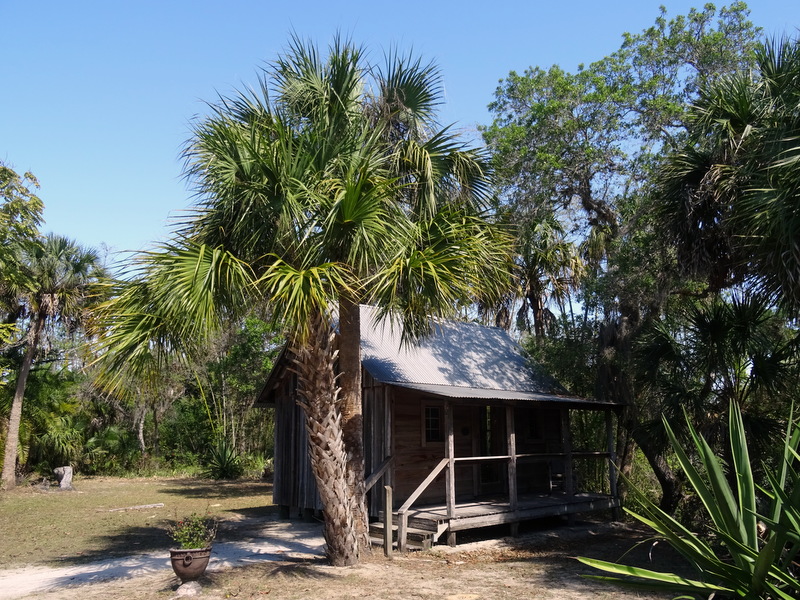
(97, 96)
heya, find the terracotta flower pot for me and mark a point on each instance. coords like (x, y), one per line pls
(189, 564)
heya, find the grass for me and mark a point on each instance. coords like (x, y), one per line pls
(46, 526)
(52, 528)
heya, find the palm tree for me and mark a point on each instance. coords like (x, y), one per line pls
(60, 275)
(329, 186)
(549, 264)
(730, 197)
(707, 355)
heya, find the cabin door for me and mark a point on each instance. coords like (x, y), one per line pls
(492, 474)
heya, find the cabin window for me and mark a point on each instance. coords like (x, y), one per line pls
(434, 424)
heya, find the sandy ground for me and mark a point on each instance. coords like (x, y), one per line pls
(277, 541)
(285, 560)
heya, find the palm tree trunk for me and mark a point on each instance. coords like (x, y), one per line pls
(315, 366)
(9, 480)
(351, 406)
(536, 302)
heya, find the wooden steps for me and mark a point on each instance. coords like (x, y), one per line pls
(420, 539)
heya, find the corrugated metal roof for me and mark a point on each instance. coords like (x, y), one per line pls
(459, 360)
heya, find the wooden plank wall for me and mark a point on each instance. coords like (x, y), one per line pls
(294, 484)
(394, 426)
(376, 401)
(413, 460)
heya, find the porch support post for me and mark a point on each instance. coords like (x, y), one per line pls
(388, 448)
(387, 521)
(450, 485)
(511, 444)
(612, 466)
(566, 445)
(475, 416)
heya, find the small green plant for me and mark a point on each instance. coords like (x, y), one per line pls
(223, 462)
(747, 553)
(194, 531)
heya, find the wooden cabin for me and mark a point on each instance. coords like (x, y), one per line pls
(461, 428)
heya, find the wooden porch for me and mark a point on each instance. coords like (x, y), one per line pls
(426, 524)
(512, 505)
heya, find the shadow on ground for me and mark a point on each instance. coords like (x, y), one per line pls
(130, 541)
(271, 573)
(220, 489)
(236, 525)
(553, 547)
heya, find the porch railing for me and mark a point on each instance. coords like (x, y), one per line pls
(402, 512)
(370, 481)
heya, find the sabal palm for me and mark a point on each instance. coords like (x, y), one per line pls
(318, 190)
(717, 352)
(59, 275)
(548, 264)
(731, 197)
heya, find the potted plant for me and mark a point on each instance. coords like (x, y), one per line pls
(193, 536)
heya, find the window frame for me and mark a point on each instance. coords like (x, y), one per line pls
(426, 416)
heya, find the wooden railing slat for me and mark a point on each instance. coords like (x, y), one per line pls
(370, 481)
(423, 486)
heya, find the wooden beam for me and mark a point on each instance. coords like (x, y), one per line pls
(389, 441)
(535, 456)
(387, 521)
(475, 416)
(402, 530)
(450, 485)
(612, 465)
(424, 485)
(566, 446)
(511, 448)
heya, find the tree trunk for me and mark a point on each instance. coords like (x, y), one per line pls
(614, 384)
(140, 431)
(536, 302)
(9, 480)
(318, 397)
(156, 440)
(625, 449)
(671, 486)
(351, 407)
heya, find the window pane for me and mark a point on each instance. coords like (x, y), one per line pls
(433, 424)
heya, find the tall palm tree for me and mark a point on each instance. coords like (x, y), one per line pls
(549, 265)
(707, 355)
(60, 275)
(329, 186)
(731, 198)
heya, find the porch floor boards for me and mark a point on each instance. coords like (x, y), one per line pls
(484, 512)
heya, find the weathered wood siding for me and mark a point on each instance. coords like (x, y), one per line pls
(414, 459)
(394, 425)
(294, 486)
(377, 401)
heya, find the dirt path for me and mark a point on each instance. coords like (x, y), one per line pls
(279, 560)
(275, 541)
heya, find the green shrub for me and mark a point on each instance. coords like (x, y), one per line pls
(194, 531)
(223, 462)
